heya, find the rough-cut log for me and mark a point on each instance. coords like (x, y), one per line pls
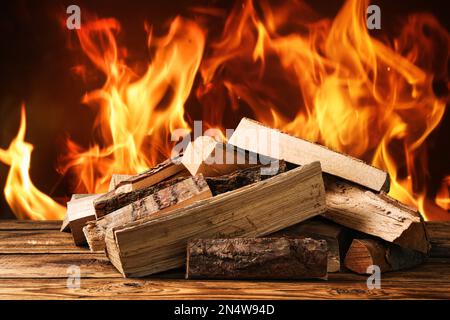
(439, 235)
(158, 243)
(255, 137)
(211, 158)
(256, 258)
(116, 179)
(338, 238)
(79, 212)
(364, 253)
(170, 168)
(375, 214)
(113, 200)
(173, 196)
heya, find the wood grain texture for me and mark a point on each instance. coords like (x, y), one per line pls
(255, 137)
(159, 243)
(338, 238)
(140, 289)
(211, 158)
(8, 225)
(439, 235)
(257, 258)
(39, 241)
(28, 274)
(374, 214)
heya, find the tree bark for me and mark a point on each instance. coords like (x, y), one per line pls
(257, 258)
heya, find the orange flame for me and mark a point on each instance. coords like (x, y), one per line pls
(23, 197)
(327, 81)
(345, 89)
(136, 115)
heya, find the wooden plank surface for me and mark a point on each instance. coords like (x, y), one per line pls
(38, 241)
(30, 225)
(188, 289)
(35, 257)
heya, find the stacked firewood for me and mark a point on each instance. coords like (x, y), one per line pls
(274, 207)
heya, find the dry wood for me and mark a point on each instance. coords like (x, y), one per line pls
(116, 179)
(79, 212)
(170, 168)
(338, 238)
(211, 158)
(255, 137)
(113, 200)
(375, 214)
(439, 235)
(65, 224)
(257, 258)
(145, 203)
(364, 253)
(159, 243)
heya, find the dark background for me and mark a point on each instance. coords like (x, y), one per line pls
(36, 58)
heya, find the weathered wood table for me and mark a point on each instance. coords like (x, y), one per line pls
(35, 257)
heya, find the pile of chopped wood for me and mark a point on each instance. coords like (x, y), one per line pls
(297, 210)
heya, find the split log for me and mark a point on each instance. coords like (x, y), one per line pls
(439, 235)
(158, 243)
(79, 212)
(374, 214)
(211, 158)
(364, 253)
(116, 179)
(168, 169)
(256, 258)
(65, 224)
(114, 200)
(255, 137)
(175, 195)
(338, 238)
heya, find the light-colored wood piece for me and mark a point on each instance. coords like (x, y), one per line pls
(375, 214)
(79, 212)
(116, 179)
(211, 158)
(255, 137)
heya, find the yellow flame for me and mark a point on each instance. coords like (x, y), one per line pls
(23, 197)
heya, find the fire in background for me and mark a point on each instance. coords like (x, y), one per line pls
(379, 96)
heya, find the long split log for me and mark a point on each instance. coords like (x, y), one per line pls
(255, 137)
(364, 253)
(159, 243)
(256, 258)
(374, 214)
